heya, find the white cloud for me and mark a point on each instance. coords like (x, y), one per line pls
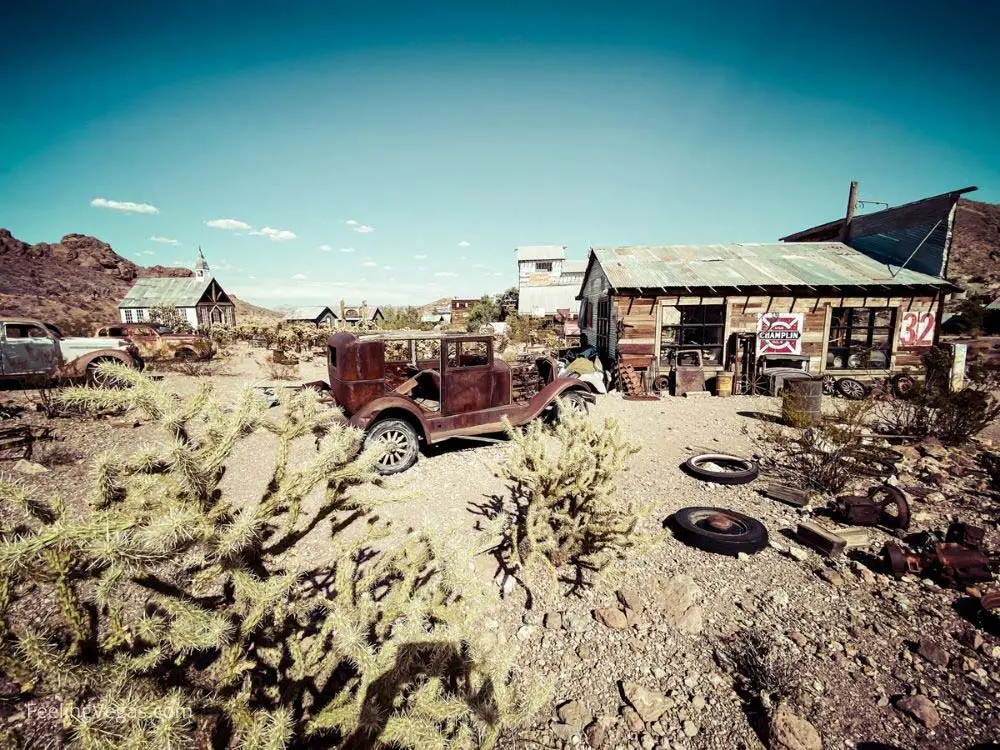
(148, 252)
(347, 249)
(364, 228)
(464, 243)
(165, 241)
(446, 273)
(275, 235)
(326, 248)
(388, 268)
(497, 273)
(351, 223)
(230, 224)
(126, 206)
(300, 277)
(369, 264)
(419, 257)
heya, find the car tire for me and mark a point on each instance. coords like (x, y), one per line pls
(402, 441)
(745, 471)
(96, 380)
(902, 385)
(719, 530)
(574, 400)
(851, 389)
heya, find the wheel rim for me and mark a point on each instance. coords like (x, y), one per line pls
(725, 465)
(396, 446)
(576, 404)
(852, 389)
(829, 385)
(723, 524)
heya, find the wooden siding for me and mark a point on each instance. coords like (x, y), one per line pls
(594, 287)
(638, 318)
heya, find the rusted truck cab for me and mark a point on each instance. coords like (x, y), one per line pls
(155, 344)
(407, 388)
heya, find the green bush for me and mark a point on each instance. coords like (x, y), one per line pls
(171, 613)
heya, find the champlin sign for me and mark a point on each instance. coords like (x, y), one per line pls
(779, 333)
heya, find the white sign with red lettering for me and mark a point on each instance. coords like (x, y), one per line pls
(780, 333)
(916, 329)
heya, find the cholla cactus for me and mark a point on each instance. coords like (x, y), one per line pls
(174, 612)
(562, 509)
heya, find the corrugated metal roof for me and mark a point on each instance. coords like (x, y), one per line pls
(545, 300)
(814, 264)
(182, 291)
(994, 305)
(574, 266)
(540, 252)
(308, 313)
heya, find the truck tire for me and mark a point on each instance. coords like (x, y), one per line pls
(400, 442)
(731, 469)
(719, 530)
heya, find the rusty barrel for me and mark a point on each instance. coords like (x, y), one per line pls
(802, 402)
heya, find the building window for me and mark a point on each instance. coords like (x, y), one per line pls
(586, 313)
(543, 265)
(699, 327)
(604, 325)
(128, 316)
(860, 338)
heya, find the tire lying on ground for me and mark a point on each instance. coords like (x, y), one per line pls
(721, 468)
(719, 530)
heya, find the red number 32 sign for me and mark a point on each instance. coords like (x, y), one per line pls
(916, 329)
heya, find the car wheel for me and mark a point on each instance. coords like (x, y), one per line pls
(184, 354)
(850, 388)
(721, 468)
(98, 380)
(399, 442)
(902, 385)
(719, 530)
(829, 385)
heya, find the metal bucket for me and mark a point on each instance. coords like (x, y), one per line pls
(724, 384)
(802, 402)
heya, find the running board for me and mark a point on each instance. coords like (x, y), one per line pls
(478, 438)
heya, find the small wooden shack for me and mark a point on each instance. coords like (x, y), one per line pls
(820, 306)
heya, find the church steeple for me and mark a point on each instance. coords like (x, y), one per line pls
(201, 269)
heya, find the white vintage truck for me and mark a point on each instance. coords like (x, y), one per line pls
(32, 350)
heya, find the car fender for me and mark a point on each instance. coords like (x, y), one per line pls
(78, 367)
(371, 411)
(551, 392)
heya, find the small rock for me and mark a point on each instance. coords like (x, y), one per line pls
(575, 714)
(921, 709)
(24, 466)
(611, 617)
(647, 742)
(632, 720)
(787, 731)
(525, 632)
(562, 731)
(798, 639)
(649, 704)
(595, 734)
(778, 597)
(690, 728)
(797, 553)
(553, 620)
(933, 652)
(698, 702)
(630, 599)
(832, 577)
(971, 639)
(576, 622)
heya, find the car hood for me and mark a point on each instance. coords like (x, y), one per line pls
(90, 344)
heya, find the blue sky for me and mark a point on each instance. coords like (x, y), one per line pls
(450, 134)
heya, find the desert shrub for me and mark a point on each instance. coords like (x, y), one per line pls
(959, 416)
(562, 509)
(281, 370)
(763, 670)
(171, 614)
(170, 317)
(826, 458)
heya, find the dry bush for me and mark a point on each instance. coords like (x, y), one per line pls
(172, 615)
(828, 457)
(51, 453)
(562, 509)
(764, 671)
(281, 371)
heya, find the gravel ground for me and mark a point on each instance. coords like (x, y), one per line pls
(860, 640)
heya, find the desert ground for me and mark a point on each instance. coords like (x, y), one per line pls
(864, 645)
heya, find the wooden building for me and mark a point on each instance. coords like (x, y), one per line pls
(829, 307)
(460, 309)
(317, 315)
(199, 298)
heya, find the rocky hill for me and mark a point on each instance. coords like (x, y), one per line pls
(75, 283)
(975, 248)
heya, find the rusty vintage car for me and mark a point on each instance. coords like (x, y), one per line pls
(158, 343)
(34, 351)
(404, 389)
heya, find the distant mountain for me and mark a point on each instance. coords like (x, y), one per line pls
(247, 313)
(75, 283)
(975, 246)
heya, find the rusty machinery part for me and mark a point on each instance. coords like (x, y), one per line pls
(884, 505)
(661, 383)
(721, 468)
(953, 563)
(851, 389)
(641, 397)
(868, 462)
(990, 600)
(719, 530)
(902, 385)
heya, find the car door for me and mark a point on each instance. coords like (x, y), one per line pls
(467, 381)
(28, 349)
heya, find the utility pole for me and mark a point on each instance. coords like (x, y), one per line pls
(852, 200)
